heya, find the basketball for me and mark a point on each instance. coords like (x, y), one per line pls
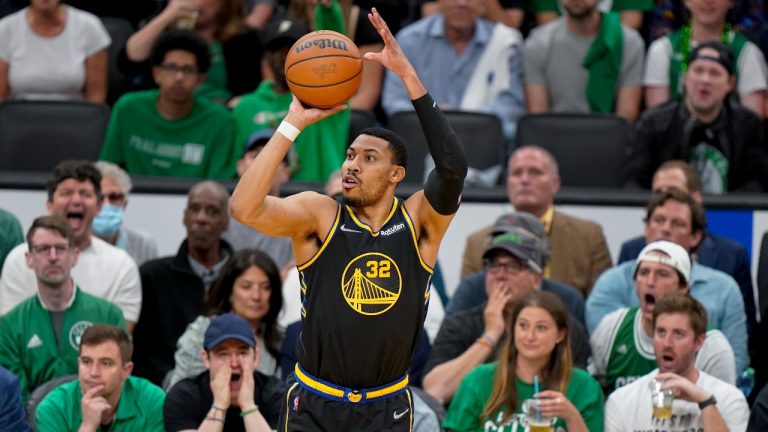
(324, 69)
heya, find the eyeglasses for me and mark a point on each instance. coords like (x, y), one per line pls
(513, 267)
(173, 68)
(115, 197)
(43, 249)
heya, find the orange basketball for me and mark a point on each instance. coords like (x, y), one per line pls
(324, 69)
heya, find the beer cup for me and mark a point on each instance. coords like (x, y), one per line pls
(533, 419)
(661, 400)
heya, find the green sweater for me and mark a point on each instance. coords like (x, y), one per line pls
(28, 345)
(200, 145)
(475, 390)
(140, 408)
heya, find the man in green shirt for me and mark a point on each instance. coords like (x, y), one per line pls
(169, 131)
(10, 234)
(113, 400)
(39, 338)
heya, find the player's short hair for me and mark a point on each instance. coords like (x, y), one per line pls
(396, 144)
(53, 223)
(682, 302)
(98, 334)
(692, 177)
(185, 40)
(80, 170)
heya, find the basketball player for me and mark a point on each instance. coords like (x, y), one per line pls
(365, 260)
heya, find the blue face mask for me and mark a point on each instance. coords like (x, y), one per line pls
(106, 223)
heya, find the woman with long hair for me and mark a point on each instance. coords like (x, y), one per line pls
(491, 396)
(249, 286)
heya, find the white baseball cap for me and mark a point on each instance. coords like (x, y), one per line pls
(677, 257)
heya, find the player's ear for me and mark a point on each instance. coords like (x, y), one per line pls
(397, 174)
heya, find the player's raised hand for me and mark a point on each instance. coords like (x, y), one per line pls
(92, 406)
(392, 56)
(302, 116)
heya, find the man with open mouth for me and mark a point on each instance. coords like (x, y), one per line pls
(622, 345)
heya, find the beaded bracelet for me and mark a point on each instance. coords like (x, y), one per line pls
(252, 410)
(485, 343)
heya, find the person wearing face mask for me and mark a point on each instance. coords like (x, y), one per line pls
(108, 224)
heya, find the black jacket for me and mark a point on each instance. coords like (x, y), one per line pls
(663, 133)
(172, 297)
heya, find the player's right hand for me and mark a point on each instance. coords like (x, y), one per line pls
(92, 406)
(222, 396)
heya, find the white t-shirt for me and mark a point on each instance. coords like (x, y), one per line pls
(102, 270)
(750, 64)
(629, 408)
(50, 67)
(716, 356)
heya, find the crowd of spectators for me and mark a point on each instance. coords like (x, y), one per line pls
(99, 331)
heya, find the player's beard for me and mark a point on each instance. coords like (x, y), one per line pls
(365, 197)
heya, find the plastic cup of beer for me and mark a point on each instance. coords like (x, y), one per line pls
(188, 21)
(661, 400)
(533, 419)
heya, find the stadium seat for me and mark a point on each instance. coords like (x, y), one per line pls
(119, 31)
(481, 134)
(590, 148)
(39, 393)
(359, 120)
(36, 135)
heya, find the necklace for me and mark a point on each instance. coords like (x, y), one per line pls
(685, 41)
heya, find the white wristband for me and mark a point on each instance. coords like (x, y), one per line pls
(288, 130)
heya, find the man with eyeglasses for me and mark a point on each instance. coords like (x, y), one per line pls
(513, 264)
(170, 131)
(39, 338)
(108, 224)
(674, 216)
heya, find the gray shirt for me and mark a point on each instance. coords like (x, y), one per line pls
(138, 244)
(553, 56)
(242, 236)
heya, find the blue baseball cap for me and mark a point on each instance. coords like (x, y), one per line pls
(225, 327)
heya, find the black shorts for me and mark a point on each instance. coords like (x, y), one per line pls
(308, 412)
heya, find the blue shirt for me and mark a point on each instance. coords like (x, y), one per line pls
(717, 291)
(11, 409)
(446, 74)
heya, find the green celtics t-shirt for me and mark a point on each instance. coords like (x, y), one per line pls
(200, 145)
(320, 147)
(464, 413)
(214, 88)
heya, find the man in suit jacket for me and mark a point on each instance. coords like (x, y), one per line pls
(578, 253)
(716, 252)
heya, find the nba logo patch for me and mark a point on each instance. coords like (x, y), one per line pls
(296, 404)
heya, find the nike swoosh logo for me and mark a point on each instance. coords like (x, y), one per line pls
(398, 416)
(345, 229)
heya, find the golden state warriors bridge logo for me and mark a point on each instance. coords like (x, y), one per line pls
(371, 283)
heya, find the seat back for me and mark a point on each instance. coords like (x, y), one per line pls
(119, 30)
(40, 392)
(36, 135)
(480, 133)
(358, 121)
(590, 149)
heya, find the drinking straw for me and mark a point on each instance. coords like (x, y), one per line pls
(536, 396)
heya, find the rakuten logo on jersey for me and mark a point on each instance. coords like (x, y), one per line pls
(394, 229)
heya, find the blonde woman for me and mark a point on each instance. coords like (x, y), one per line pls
(491, 396)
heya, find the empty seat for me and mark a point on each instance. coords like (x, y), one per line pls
(590, 148)
(480, 133)
(36, 135)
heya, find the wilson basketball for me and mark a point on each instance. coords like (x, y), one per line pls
(324, 69)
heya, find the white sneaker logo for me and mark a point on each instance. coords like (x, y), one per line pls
(345, 229)
(34, 342)
(397, 416)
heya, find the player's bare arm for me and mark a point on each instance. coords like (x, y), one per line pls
(303, 217)
(434, 207)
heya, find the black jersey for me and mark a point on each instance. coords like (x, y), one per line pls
(364, 299)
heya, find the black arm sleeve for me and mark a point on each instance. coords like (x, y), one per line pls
(445, 182)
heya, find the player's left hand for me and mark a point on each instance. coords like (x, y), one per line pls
(556, 404)
(682, 388)
(247, 384)
(302, 116)
(392, 56)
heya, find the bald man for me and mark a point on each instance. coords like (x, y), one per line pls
(175, 286)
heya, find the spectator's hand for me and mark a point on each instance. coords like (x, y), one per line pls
(302, 116)
(392, 56)
(682, 388)
(556, 404)
(176, 9)
(495, 323)
(222, 396)
(92, 406)
(247, 384)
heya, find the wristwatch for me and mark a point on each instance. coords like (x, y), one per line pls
(707, 402)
